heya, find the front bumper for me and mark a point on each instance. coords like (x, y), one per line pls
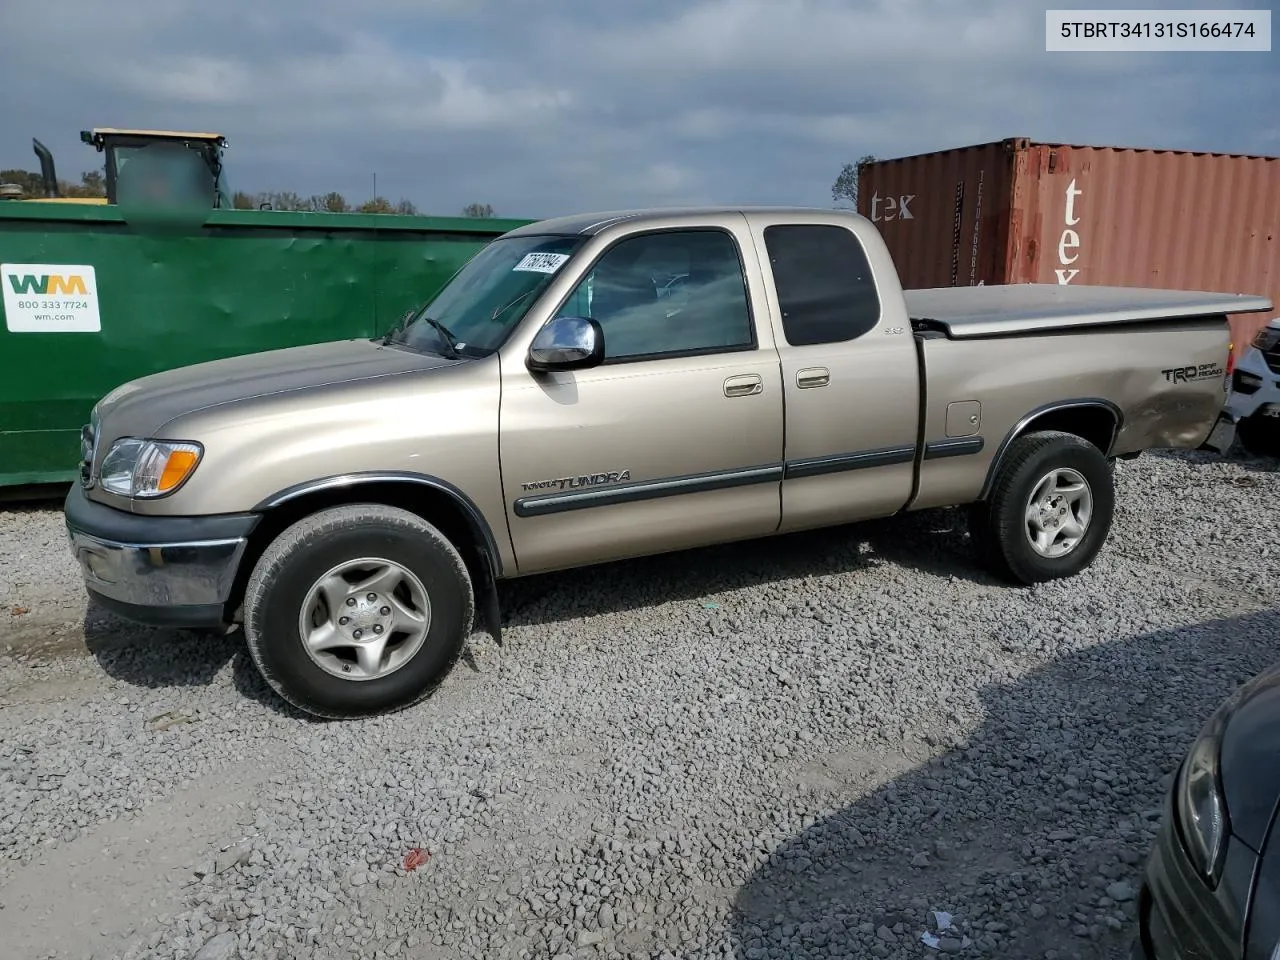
(1222, 436)
(1179, 917)
(163, 571)
(1264, 398)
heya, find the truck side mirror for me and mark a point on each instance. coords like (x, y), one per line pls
(567, 343)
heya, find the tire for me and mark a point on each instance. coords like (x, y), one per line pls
(1259, 435)
(1001, 527)
(338, 560)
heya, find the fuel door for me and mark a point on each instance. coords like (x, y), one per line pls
(964, 418)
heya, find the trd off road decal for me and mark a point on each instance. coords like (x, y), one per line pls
(576, 483)
(1205, 371)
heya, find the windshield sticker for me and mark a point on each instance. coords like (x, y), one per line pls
(541, 262)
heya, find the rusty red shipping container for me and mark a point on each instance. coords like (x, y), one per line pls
(1018, 211)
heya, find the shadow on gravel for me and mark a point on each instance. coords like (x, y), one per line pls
(1019, 831)
(1237, 456)
(929, 541)
(156, 658)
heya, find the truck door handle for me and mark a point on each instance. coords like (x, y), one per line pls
(813, 377)
(743, 386)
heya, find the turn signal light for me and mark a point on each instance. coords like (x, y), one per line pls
(177, 468)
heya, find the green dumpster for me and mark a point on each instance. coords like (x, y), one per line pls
(92, 298)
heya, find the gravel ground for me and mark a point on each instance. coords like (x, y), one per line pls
(801, 747)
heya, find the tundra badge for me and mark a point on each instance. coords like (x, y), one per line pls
(574, 483)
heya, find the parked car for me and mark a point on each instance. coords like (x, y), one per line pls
(1255, 394)
(353, 503)
(1212, 882)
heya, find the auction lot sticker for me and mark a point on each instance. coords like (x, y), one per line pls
(541, 262)
(50, 298)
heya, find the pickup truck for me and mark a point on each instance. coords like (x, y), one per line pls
(591, 388)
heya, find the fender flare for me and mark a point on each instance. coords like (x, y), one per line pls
(1097, 403)
(487, 591)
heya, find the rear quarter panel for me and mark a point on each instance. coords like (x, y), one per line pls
(1167, 379)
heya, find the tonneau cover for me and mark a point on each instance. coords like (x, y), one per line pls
(963, 312)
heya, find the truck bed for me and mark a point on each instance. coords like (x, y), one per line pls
(963, 313)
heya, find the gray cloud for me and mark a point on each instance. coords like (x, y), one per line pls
(589, 105)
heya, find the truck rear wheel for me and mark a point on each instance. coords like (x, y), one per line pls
(357, 610)
(1260, 435)
(1049, 511)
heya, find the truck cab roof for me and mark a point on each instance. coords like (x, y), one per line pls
(589, 224)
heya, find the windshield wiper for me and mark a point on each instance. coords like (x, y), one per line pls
(446, 337)
(390, 335)
(444, 334)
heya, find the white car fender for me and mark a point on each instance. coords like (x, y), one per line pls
(1255, 386)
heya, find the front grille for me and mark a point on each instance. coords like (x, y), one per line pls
(88, 448)
(1272, 357)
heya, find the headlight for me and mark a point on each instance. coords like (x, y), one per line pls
(1200, 807)
(148, 468)
(1267, 338)
(1246, 383)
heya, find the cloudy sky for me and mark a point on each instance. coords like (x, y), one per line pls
(564, 105)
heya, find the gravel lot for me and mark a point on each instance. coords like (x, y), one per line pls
(793, 748)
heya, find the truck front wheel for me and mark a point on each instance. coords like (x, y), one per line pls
(1049, 511)
(357, 610)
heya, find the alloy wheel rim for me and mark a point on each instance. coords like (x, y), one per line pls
(364, 619)
(1058, 513)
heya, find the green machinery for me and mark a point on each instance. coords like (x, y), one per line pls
(167, 166)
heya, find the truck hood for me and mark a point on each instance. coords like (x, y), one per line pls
(1250, 774)
(140, 408)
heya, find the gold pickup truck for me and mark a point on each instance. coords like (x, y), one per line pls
(606, 386)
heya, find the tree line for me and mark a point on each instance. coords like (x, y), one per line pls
(93, 184)
(334, 202)
(845, 187)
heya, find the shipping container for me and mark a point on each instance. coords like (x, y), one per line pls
(1019, 211)
(92, 299)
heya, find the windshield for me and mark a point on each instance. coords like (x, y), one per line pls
(487, 297)
(163, 173)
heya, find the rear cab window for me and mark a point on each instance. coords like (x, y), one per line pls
(823, 279)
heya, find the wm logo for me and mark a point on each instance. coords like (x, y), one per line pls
(48, 284)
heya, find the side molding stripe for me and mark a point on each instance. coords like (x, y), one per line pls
(646, 490)
(545, 505)
(820, 466)
(958, 447)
